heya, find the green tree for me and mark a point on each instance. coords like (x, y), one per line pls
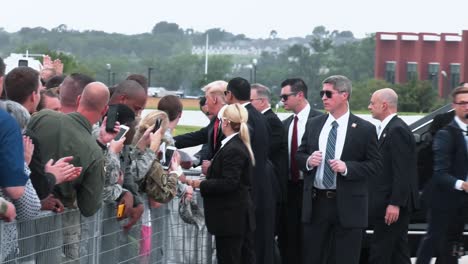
(166, 28)
(362, 92)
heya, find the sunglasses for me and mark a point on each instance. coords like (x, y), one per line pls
(286, 96)
(328, 94)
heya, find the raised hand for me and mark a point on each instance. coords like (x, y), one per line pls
(28, 149)
(63, 170)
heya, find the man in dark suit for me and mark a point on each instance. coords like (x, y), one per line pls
(338, 154)
(448, 198)
(260, 96)
(294, 98)
(211, 134)
(394, 190)
(238, 91)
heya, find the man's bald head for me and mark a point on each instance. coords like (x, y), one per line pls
(383, 103)
(388, 96)
(94, 98)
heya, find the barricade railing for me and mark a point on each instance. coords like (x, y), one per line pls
(159, 237)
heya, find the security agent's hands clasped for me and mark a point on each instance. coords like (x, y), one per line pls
(338, 166)
(315, 159)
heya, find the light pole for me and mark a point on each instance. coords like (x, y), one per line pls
(445, 84)
(113, 78)
(250, 67)
(149, 76)
(108, 67)
(254, 67)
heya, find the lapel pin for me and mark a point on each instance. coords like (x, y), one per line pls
(354, 125)
(384, 135)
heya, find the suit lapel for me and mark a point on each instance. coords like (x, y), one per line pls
(350, 134)
(383, 136)
(460, 137)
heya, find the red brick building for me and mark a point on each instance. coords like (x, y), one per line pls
(442, 58)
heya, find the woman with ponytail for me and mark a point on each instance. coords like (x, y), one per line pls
(229, 211)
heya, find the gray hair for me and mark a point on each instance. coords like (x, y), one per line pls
(340, 83)
(262, 91)
(17, 111)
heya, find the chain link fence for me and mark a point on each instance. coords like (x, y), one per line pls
(159, 237)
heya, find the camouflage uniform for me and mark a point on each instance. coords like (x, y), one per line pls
(112, 190)
(135, 164)
(181, 187)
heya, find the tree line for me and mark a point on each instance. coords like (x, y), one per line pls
(167, 52)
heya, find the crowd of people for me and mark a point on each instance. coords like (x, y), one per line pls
(302, 190)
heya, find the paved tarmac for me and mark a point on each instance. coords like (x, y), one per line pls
(197, 118)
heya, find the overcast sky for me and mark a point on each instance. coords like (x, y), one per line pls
(254, 18)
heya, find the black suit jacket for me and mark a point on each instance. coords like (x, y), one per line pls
(226, 191)
(362, 161)
(450, 165)
(277, 153)
(396, 183)
(260, 140)
(202, 136)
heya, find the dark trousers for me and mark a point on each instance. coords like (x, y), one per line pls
(290, 228)
(389, 243)
(235, 249)
(326, 240)
(264, 235)
(445, 228)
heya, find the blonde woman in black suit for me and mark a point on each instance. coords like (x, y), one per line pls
(229, 211)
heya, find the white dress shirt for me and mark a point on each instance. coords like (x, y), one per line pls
(226, 140)
(384, 124)
(302, 117)
(340, 141)
(266, 109)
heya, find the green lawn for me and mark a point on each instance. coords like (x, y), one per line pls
(181, 129)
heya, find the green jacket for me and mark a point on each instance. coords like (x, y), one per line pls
(59, 135)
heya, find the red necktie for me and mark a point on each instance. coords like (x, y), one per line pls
(292, 155)
(215, 133)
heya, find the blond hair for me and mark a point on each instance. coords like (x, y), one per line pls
(149, 120)
(237, 116)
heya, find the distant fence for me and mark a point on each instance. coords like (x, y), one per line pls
(159, 237)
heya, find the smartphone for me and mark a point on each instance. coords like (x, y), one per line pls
(168, 157)
(120, 210)
(123, 130)
(112, 117)
(22, 63)
(157, 125)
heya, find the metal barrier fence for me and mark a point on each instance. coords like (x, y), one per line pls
(159, 237)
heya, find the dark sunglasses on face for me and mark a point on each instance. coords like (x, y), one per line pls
(286, 96)
(328, 94)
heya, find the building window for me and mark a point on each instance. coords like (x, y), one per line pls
(454, 75)
(390, 71)
(411, 71)
(433, 70)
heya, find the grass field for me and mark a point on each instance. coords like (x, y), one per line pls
(192, 104)
(180, 129)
